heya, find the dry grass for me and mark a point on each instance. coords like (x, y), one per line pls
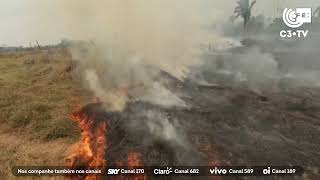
(18, 150)
(35, 102)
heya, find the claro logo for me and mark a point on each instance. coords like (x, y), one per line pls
(295, 19)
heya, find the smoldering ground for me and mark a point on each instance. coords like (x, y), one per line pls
(230, 125)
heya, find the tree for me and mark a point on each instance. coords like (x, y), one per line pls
(243, 9)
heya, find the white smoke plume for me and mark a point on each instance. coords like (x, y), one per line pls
(128, 42)
(161, 127)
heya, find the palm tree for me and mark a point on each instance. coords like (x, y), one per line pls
(243, 9)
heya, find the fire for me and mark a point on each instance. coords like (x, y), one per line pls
(90, 150)
(134, 160)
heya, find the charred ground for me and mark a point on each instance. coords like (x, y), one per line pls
(222, 125)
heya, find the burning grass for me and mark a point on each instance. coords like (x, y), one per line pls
(90, 150)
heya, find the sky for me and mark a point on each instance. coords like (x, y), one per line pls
(24, 21)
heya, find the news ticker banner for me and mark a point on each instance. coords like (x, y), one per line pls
(160, 171)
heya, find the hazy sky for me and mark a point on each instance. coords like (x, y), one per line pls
(24, 21)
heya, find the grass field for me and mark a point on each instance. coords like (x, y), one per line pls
(37, 94)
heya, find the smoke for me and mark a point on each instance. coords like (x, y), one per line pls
(263, 69)
(160, 127)
(115, 101)
(124, 44)
(133, 40)
(159, 95)
(257, 68)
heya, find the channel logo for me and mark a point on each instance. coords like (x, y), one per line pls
(295, 19)
(218, 171)
(266, 171)
(113, 171)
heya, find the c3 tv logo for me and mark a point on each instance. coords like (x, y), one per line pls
(295, 19)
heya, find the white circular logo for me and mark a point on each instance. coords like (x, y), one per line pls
(290, 18)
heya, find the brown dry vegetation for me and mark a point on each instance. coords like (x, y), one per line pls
(37, 94)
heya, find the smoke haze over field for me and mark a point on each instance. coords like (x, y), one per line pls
(49, 21)
(129, 35)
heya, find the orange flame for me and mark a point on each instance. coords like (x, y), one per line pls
(134, 160)
(90, 150)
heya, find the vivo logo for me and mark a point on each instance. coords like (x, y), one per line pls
(218, 171)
